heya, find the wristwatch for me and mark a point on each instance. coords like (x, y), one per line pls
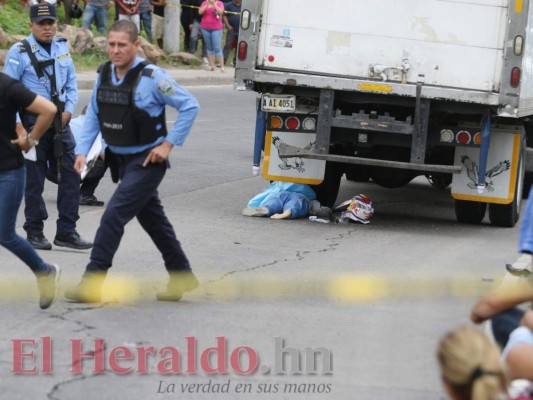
(32, 141)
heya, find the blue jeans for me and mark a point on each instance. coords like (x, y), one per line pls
(146, 23)
(213, 41)
(11, 191)
(526, 227)
(96, 14)
(193, 42)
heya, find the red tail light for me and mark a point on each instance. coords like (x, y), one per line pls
(292, 123)
(463, 137)
(515, 77)
(243, 50)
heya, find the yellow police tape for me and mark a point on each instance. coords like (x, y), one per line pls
(350, 288)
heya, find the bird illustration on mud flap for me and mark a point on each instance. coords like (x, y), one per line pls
(472, 171)
(291, 162)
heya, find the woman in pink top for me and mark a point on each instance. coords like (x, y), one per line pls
(212, 26)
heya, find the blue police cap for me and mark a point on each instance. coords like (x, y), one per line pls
(42, 11)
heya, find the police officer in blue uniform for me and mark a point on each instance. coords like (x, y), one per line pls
(128, 107)
(43, 64)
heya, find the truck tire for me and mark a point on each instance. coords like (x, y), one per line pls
(506, 215)
(528, 181)
(470, 212)
(328, 190)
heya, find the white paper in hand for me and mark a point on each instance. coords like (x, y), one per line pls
(31, 154)
(93, 154)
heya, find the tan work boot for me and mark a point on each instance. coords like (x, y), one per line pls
(89, 290)
(523, 266)
(178, 284)
(47, 285)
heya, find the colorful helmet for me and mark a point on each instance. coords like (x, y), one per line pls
(359, 209)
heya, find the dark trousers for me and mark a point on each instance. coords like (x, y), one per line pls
(91, 181)
(186, 34)
(136, 196)
(231, 37)
(68, 190)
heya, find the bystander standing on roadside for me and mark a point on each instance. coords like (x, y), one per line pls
(129, 10)
(96, 11)
(14, 96)
(196, 31)
(186, 22)
(42, 63)
(212, 28)
(138, 151)
(145, 14)
(158, 21)
(232, 21)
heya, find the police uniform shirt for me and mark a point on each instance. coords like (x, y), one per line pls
(18, 65)
(151, 94)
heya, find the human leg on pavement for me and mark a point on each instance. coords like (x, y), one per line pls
(137, 185)
(524, 263)
(11, 190)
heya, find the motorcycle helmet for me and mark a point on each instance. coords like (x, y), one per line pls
(359, 209)
(75, 11)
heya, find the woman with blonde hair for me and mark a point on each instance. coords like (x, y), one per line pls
(470, 366)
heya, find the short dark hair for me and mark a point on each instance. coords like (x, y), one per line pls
(125, 26)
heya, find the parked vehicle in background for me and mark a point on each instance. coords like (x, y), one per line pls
(390, 90)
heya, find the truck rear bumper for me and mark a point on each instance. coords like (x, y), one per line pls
(291, 151)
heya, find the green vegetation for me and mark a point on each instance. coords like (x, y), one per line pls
(14, 19)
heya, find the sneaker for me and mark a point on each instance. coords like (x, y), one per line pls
(39, 242)
(523, 266)
(90, 201)
(178, 284)
(47, 284)
(255, 212)
(72, 240)
(89, 290)
(205, 61)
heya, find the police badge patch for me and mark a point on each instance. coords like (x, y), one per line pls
(165, 87)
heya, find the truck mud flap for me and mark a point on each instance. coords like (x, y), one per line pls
(500, 175)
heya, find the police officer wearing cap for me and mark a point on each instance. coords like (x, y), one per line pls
(128, 107)
(43, 64)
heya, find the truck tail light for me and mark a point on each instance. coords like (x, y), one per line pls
(309, 124)
(292, 123)
(245, 19)
(518, 45)
(446, 136)
(243, 50)
(477, 138)
(463, 137)
(276, 122)
(515, 77)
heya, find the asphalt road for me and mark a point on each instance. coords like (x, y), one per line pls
(372, 299)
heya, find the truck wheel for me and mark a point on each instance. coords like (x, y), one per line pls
(470, 212)
(327, 191)
(528, 181)
(506, 215)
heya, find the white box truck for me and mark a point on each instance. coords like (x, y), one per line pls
(388, 90)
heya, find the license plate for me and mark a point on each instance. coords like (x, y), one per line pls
(278, 102)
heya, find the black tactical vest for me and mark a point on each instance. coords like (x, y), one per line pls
(121, 122)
